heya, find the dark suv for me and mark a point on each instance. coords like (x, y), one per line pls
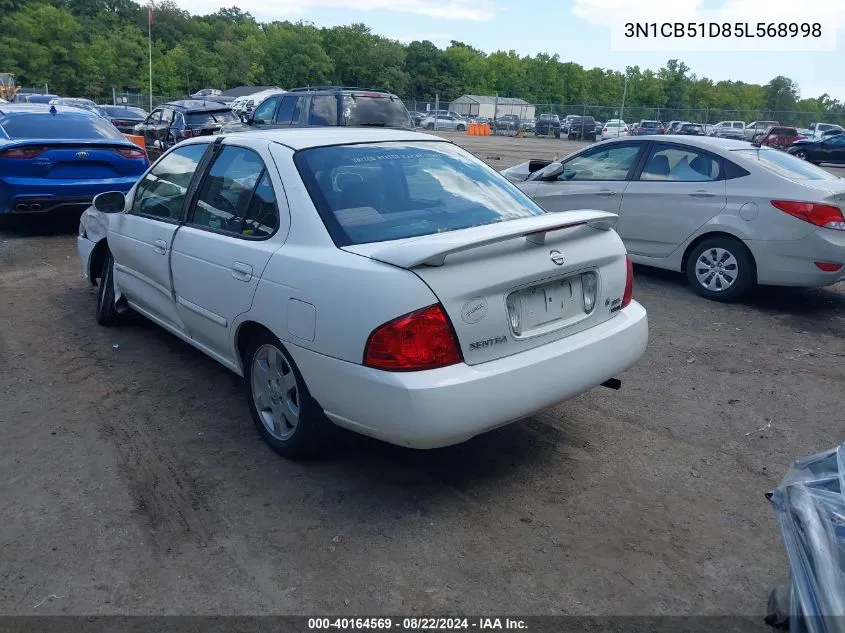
(582, 127)
(328, 106)
(547, 124)
(175, 121)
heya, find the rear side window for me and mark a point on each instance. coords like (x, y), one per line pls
(785, 165)
(60, 126)
(237, 196)
(378, 111)
(678, 164)
(323, 110)
(389, 191)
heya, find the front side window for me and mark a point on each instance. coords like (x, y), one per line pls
(236, 196)
(678, 164)
(154, 118)
(161, 193)
(605, 163)
(263, 114)
(388, 191)
(837, 140)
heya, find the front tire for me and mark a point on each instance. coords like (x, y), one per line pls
(462, 128)
(720, 269)
(286, 416)
(107, 314)
(429, 126)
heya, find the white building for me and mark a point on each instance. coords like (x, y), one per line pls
(478, 105)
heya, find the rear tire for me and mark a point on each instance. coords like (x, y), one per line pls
(720, 269)
(107, 314)
(285, 414)
(462, 128)
(801, 154)
(430, 126)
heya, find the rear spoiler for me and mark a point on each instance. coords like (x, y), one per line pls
(432, 250)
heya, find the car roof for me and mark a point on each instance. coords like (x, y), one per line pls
(44, 108)
(305, 138)
(704, 142)
(196, 105)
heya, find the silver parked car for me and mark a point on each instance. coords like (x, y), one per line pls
(445, 122)
(726, 213)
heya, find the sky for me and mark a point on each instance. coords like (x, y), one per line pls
(580, 31)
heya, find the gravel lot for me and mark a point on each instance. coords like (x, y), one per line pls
(133, 480)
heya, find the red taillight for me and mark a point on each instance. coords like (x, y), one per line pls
(118, 123)
(628, 295)
(190, 133)
(824, 215)
(604, 130)
(22, 152)
(132, 152)
(423, 339)
(828, 267)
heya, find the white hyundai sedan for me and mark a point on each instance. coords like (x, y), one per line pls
(383, 281)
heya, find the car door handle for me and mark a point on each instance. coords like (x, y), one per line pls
(241, 271)
(702, 194)
(606, 193)
(160, 246)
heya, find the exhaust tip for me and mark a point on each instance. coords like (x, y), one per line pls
(20, 206)
(35, 206)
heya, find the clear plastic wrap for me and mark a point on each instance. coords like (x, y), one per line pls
(810, 505)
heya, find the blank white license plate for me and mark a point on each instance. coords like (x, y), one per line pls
(552, 301)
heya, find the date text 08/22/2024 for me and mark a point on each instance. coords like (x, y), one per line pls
(416, 624)
(741, 30)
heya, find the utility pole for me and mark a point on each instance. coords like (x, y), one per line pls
(624, 94)
(150, 44)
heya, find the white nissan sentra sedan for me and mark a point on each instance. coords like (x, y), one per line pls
(383, 281)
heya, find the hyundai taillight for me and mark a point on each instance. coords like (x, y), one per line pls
(423, 339)
(22, 152)
(190, 133)
(824, 215)
(131, 152)
(628, 295)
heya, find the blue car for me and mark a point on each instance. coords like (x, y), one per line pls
(57, 158)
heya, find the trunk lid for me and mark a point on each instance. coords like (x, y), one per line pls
(515, 285)
(72, 160)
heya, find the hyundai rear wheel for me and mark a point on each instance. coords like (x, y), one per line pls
(720, 269)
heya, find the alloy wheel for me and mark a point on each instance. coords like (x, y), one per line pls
(275, 392)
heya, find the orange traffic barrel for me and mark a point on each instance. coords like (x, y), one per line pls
(138, 140)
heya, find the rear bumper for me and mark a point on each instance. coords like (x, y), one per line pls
(792, 263)
(35, 195)
(436, 408)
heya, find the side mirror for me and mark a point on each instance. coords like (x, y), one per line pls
(110, 202)
(551, 171)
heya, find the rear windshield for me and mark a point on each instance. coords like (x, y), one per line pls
(650, 124)
(64, 125)
(364, 111)
(121, 111)
(216, 116)
(786, 165)
(389, 191)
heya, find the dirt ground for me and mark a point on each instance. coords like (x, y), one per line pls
(133, 481)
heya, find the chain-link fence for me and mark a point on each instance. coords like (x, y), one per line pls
(632, 113)
(140, 100)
